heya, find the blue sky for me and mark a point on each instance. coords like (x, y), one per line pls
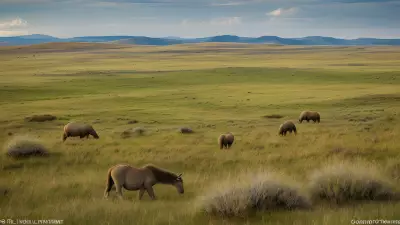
(200, 18)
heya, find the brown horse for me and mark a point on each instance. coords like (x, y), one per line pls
(79, 130)
(142, 179)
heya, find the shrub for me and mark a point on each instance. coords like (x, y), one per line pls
(243, 197)
(273, 116)
(25, 147)
(344, 182)
(4, 191)
(138, 131)
(185, 130)
(40, 118)
(133, 121)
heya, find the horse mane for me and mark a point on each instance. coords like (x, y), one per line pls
(162, 175)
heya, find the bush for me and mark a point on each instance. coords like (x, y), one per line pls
(273, 116)
(138, 131)
(264, 192)
(25, 147)
(4, 191)
(343, 183)
(40, 118)
(185, 130)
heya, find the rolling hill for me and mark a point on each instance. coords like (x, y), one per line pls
(142, 40)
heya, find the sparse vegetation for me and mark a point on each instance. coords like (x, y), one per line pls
(133, 121)
(103, 82)
(243, 196)
(273, 116)
(24, 146)
(185, 130)
(344, 183)
(3, 191)
(133, 132)
(40, 118)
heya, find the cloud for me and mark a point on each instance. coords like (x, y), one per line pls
(281, 12)
(237, 3)
(12, 33)
(221, 21)
(8, 27)
(18, 22)
(226, 21)
(144, 18)
(364, 1)
(228, 4)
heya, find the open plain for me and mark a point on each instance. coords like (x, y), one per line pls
(245, 89)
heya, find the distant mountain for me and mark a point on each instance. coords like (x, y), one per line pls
(96, 38)
(224, 38)
(142, 40)
(27, 40)
(148, 41)
(37, 36)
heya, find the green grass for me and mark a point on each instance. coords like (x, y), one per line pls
(213, 89)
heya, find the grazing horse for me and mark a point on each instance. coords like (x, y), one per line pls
(225, 140)
(287, 126)
(79, 130)
(142, 179)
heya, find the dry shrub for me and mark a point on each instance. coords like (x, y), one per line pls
(40, 118)
(345, 182)
(273, 116)
(3, 192)
(185, 130)
(133, 121)
(243, 196)
(23, 146)
(135, 132)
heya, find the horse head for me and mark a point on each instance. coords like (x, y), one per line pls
(178, 183)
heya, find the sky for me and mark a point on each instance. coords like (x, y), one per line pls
(201, 18)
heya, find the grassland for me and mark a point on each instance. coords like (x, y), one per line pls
(211, 88)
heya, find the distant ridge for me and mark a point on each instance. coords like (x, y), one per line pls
(143, 40)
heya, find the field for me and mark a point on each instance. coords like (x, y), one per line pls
(212, 88)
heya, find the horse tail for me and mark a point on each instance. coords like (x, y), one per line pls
(65, 133)
(221, 141)
(110, 182)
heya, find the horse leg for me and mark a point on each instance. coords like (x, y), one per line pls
(141, 192)
(118, 188)
(108, 189)
(151, 192)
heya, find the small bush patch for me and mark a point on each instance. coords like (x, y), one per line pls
(40, 118)
(343, 183)
(265, 192)
(25, 147)
(273, 116)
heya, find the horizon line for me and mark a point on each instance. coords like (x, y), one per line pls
(174, 37)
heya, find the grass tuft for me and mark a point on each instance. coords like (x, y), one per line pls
(24, 146)
(273, 116)
(40, 118)
(243, 197)
(345, 182)
(133, 132)
(185, 130)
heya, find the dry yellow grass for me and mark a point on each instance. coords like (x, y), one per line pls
(212, 89)
(344, 182)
